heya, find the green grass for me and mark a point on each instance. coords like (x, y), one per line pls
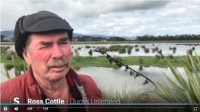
(101, 61)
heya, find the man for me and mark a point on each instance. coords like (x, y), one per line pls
(43, 40)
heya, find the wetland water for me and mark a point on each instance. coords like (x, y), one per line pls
(107, 78)
(180, 49)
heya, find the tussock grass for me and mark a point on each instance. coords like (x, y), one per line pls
(133, 97)
(185, 90)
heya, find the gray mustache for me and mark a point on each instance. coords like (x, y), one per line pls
(57, 63)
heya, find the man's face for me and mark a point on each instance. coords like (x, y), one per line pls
(49, 55)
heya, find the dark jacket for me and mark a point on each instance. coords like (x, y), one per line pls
(26, 86)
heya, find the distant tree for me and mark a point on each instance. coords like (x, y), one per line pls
(2, 38)
(116, 39)
(168, 37)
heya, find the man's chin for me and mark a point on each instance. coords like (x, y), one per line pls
(56, 76)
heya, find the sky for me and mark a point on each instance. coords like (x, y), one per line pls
(113, 17)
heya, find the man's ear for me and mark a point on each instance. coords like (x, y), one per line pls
(26, 56)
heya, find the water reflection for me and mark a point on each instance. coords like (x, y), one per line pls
(140, 68)
(107, 78)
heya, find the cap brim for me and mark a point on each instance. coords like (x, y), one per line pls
(49, 25)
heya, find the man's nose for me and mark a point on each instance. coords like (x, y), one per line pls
(57, 52)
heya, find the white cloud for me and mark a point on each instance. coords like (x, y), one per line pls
(109, 17)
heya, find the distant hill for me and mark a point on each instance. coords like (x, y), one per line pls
(7, 33)
(10, 33)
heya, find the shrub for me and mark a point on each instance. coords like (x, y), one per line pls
(87, 47)
(143, 46)
(136, 45)
(141, 61)
(162, 56)
(153, 50)
(122, 50)
(129, 51)
(146, 50)
(103, 49)
(157, 57)
(174, 48)
(160, 51)
(90, 52)
(174, 51)
(171, 57)
(129, 47)
(193, 48)
(115, 48)
(156, 48)
(136, 49)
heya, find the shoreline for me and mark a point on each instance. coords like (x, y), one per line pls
(122, 42)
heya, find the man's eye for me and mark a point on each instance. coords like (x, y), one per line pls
(44, 47)
(63, 42)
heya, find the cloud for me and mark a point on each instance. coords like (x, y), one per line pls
(91, 9)
(113, 17)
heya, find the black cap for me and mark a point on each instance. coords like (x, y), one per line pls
(42, 21)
